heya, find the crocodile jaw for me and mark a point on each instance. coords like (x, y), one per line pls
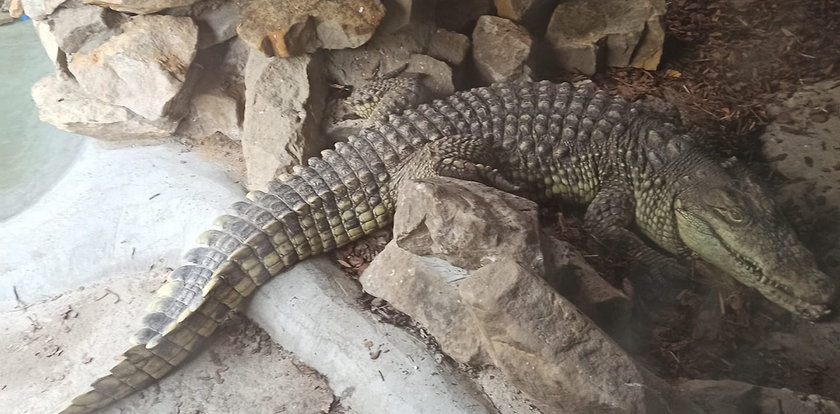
(763, 254)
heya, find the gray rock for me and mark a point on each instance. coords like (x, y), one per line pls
(61, 103)
(216, 20)
(382, 54)
(140, 6)
(285, 100)
(293, 27)
(216, 107)
(84, 27)
(373, 367)
(50, 44)
(401, 277)
(450, 47)
(449, 219)
(733, 397)
(438, 75)
(40, 9)
(500, 49)
(586, 35)
(461, 15)
(6, 19)
(569, 273)
(550, 350)
(143, 69)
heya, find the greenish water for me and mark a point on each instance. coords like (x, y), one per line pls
(33, 154)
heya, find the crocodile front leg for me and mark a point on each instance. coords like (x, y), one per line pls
(608, 219)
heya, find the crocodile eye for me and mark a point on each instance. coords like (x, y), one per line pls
(733, 216)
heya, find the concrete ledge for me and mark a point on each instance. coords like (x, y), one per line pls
(310, 312)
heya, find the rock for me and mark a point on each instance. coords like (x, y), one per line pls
(401, 277)
(16, 8)
(217, 107)
(143, 69)
(438, 75)
(141, 6)
(84, 27)
(461, 15)
(381, 55)
(547, 348)
(449, 219)
(50, 44)
(533, 14)
(450, 47)
(733, 397)
(216, 20)
(285, 100)
(585, 35)
(569, 273)
(6, 19)
(293, 27)
(38, 9)
(500, 49)
(61, 103)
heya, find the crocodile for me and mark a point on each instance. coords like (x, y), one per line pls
(640, 174)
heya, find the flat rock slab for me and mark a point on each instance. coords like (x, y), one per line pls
(114, 211)
(53, 350)
(373, 367)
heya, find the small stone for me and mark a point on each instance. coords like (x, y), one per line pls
(450, 47)
(500, 49)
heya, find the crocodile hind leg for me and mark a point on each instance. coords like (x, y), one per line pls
(608, 218)
(466, 157)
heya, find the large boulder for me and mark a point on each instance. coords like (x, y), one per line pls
(61, 103)
(293, 27)
(586, 35)
(285, 100)
(467, 262)
(500, 49)
(140, 6)
(143, 69)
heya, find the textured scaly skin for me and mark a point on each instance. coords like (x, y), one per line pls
(542, 140)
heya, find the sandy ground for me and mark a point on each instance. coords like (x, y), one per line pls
(115, 211)
(51, 351)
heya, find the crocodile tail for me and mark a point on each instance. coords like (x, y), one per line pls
(333, 201)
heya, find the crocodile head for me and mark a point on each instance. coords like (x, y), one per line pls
(735, 225)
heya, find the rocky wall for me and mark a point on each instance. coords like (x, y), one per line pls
(129, 69)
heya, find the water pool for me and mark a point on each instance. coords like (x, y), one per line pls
(33, 155)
